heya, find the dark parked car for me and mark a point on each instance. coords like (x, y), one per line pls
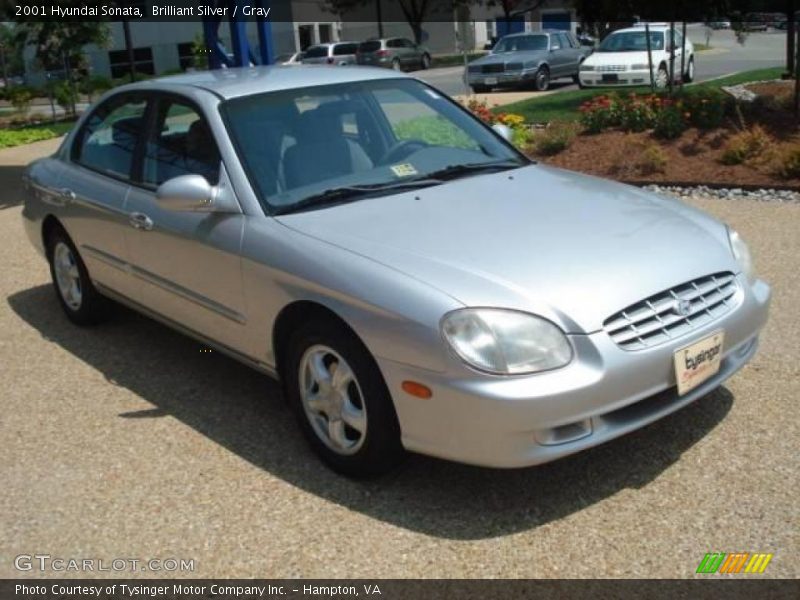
(528, 60)
(399, 54)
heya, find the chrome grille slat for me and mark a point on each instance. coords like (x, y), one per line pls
(655, 320)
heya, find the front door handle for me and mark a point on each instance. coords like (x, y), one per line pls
(141, 221)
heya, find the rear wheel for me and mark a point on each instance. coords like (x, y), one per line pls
(341, 400)
(426, 61)
(75, 291)
(396, 64)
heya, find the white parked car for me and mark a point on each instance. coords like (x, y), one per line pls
(621, 59)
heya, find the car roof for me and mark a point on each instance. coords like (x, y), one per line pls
(243, 81)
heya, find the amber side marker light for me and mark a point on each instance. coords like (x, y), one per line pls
(417, 389)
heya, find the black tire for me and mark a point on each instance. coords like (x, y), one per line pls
(396, 65)
(425, 63)
(662, 75)
(541, 80)
(381, 449)
(481, 89)
(92, 308)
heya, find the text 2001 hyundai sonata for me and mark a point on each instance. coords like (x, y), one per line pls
(414, 281)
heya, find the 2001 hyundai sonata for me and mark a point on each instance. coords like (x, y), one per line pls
(414, 281)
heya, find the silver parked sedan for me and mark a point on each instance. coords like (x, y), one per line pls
(413, 280)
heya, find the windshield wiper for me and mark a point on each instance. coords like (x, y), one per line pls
(454, 171)
(349, 193)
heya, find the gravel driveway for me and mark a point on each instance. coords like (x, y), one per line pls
(127, 440)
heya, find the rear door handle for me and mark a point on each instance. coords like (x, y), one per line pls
(140, 221)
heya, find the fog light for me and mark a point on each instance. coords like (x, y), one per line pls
(564, 433)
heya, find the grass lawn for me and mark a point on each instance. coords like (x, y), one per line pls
(563, 106)
(35, 133)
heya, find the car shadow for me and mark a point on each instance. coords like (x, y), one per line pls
(10, 185)
(242, 411)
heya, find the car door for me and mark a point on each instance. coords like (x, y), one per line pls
(413, 52)
(557, 58)
(95, 183)
(188, 263)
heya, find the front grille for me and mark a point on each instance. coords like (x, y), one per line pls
(612, 68)
(494, 68)
(657, 319)
(514, 66)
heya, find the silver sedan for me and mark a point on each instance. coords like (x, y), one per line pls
(413, 280)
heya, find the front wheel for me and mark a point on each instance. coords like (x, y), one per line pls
(75, 291)
(341, 400)
(662, 78)
(542, 79)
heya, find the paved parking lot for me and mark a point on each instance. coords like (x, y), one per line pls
(127, 441)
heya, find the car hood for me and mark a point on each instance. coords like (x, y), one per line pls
(504, 57)
(572, 248)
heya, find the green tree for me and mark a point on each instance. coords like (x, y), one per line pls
(59, 44)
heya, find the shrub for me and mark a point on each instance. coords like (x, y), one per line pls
(519, 128)
(556, 138)
(638, 113)
(480, 108)
(599, 113)
(65, 95)
(96, 84)
(789, 163)
(20, 98)
(747, 146)
(670, 121)
(706, 108)
(652, 160)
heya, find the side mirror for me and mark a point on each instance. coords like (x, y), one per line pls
(187, 193)
(503, 130)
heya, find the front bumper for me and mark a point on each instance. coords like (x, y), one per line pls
(604, 393)
(623, 78)
(508, 78)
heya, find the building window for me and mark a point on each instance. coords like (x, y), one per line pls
(186, 55)
(142, 62)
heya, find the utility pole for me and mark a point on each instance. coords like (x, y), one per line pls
(671, 43)
(649, 55)
(126, 28)
(379, 17)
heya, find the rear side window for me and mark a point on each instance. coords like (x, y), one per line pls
(370, 46)
(316, 52)
(394, 44)
(340, 49)
(181, 144)
(109, 137)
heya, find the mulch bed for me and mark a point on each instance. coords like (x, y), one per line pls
(694, 158)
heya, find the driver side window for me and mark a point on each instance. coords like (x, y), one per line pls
(410, 119)
(180, 144)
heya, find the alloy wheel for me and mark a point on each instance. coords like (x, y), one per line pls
(332, 399)
(67, 276)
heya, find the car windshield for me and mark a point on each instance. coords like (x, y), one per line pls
(632, 41)
(391, 133)
(521, 42)
(316, 52)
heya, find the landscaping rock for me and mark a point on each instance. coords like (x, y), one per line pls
(702, 191)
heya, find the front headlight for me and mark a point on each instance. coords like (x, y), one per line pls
(742, 255)
(505, 342)
(587, 67)
(640, 67)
